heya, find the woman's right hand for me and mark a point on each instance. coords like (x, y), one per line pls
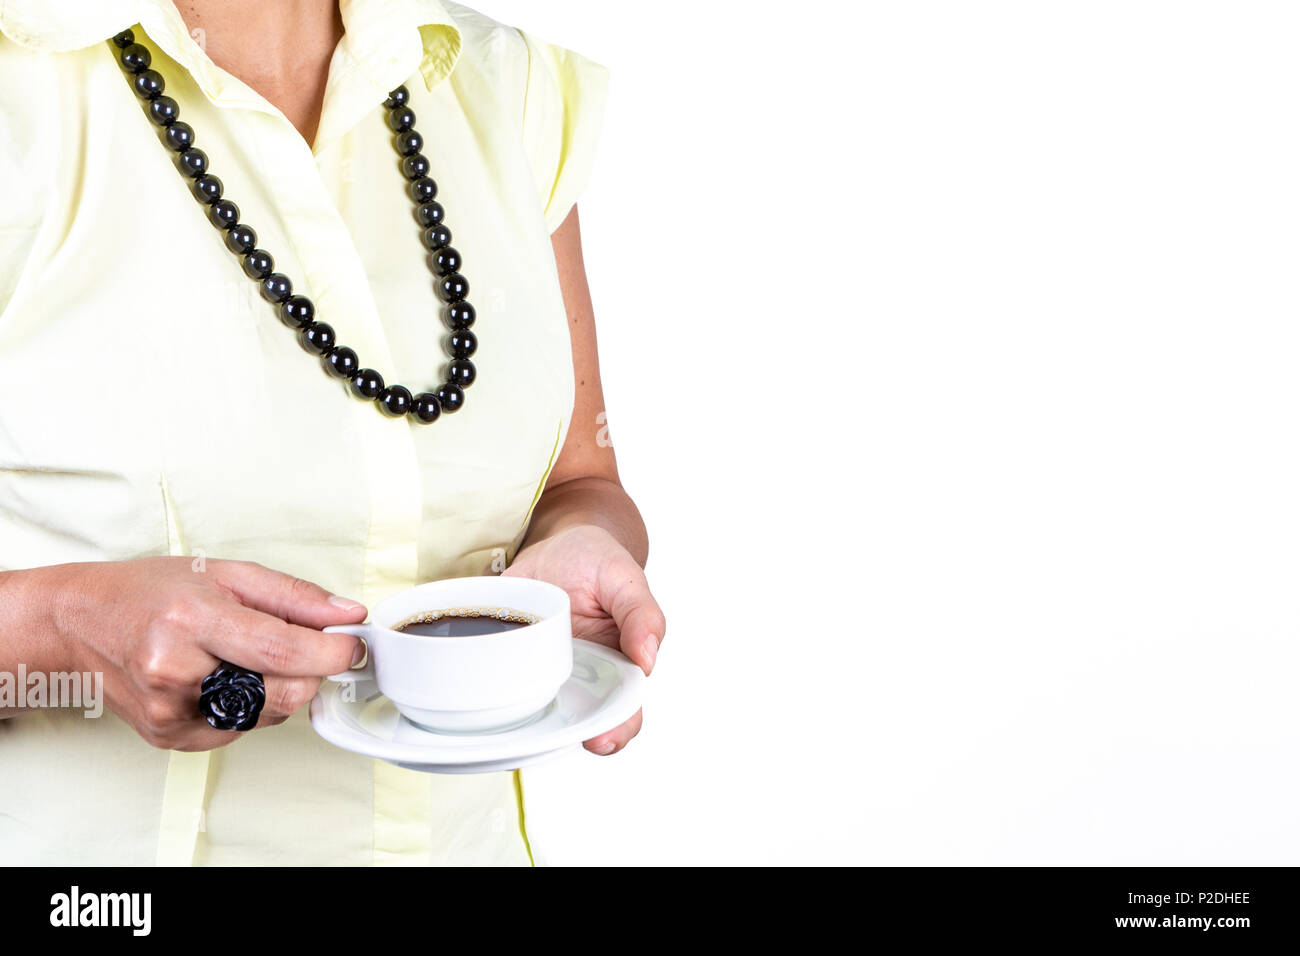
(155, 627)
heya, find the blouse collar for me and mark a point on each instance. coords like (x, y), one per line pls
(382, 36)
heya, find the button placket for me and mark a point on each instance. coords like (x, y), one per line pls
(334, 278)
(402, 799)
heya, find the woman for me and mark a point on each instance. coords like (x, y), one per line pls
(203, 453)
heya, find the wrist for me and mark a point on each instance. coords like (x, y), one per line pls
(34, 606)
(570, 527)
(595, 503)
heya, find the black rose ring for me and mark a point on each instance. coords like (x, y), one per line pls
(232, 697)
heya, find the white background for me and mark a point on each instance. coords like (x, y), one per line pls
(951, 353)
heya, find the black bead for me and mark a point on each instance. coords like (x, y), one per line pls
(258, 264)
(178, 136)
(193, 162)
(124, 39)
(207, 189)
(409, 142)
(395, 400)
(163, 111)
(435, 237)
(422, 190)
(223, 214)
(241, 238)
(463, 343)
(461, 315)
(445, 261)
(317, 337)
(426, 407)
(453, 287)
(367, 383)
(297, 312)
(399, 97)
(462, 372)
(148, 84)
(276, 287)
(413, 167)
(430, 213)
(400, 119)
(450, 397)
(135, 58)
(340, 362)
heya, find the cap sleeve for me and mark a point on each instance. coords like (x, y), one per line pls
(564, 105)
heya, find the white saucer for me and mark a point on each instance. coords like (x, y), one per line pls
(603, 691)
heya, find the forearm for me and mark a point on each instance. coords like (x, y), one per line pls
(29, 639)
(584, 489)
(590, 501)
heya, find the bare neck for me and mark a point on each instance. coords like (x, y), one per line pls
(281, 49)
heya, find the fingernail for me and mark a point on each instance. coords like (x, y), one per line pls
(651, 649)
(359, 654)
(344, 603)
(606, 748)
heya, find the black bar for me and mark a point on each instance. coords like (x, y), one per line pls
(1178, 905)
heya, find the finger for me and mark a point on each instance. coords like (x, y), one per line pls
(180, 727)
(270, 646)
(205, 739)
(178, 701)
(201, 735)
(615, 740)
(288, 598)
(623, 591)
(285, 696)
(174, 722)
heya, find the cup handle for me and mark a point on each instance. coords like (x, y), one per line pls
(367, 670)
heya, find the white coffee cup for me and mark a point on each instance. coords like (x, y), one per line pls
(473, 684)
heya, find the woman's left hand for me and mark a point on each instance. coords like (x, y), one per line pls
(610, 599)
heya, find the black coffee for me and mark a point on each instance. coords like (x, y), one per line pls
(465, 622)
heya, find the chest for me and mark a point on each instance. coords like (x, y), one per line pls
(143, 372)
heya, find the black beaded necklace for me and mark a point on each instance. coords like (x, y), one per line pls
(297, 311)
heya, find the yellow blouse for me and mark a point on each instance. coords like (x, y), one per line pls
(152, 403)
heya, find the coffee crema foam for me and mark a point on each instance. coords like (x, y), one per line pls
(507, 615)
